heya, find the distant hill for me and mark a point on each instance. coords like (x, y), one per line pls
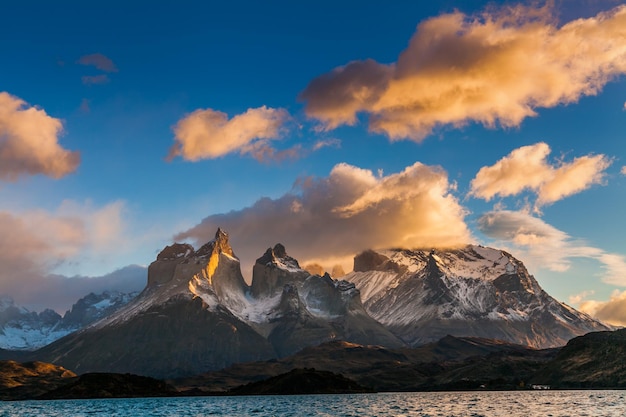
(30, 379)
(595, 360)
(451, 363)
(301, 381)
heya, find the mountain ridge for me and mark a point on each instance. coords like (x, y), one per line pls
(197, 313)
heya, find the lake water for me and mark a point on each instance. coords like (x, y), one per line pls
(431, 404)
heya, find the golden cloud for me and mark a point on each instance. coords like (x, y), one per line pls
(328, 220)
(612, 311)
(209, 134)
(527, 168)
(29, 142)
(495, 68)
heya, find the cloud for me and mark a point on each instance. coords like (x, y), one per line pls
(612, 311)
(209, 134)
(576, 299)
(101, 62)
(623, 170)
(328, 220)
(95, 79)
(85, 106)
(527, 168)
(495, 68)
(29, 142)
(545, 246)
(326, 143)
(34, 243)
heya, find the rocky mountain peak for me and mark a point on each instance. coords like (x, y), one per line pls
(175, 251)
(370, 260)
(277, 256)
(216, 246)
(423, 295)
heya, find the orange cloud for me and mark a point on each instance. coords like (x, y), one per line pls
(101, 62)
(612, 311)
(29, 142)
(209, 134)
(495, 68)
(328, 220)
(527, 168)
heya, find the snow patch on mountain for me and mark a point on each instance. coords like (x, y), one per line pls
(21, 329)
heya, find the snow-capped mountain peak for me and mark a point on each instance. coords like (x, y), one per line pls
(422, 295)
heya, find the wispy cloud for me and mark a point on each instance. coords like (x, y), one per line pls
(29, 142)
(101, 62)
(33, 243)
(95, 79)
(495, 68)
(209, 134)
(544, 246)
(326, 143)
(328, 220)
(527, 168)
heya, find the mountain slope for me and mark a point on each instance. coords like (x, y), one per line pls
(197, 314)
(422, 296)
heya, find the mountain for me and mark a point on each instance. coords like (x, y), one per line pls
(197, 313)
(421, 296)
(21, 329)
(595, 360)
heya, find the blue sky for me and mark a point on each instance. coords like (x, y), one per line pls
(304, 123)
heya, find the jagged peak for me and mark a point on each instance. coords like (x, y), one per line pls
(277, 256)
(216, 246)
(175, 251)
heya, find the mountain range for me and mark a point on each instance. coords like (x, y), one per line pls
(25, 330)
(424, 295)
(198, 314)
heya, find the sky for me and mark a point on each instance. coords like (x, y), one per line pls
(330, 127)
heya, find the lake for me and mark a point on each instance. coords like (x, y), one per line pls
(431, 404)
